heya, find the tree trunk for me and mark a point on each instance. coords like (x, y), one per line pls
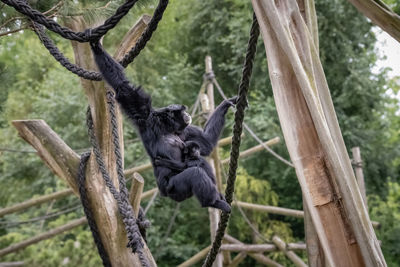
(64, 162)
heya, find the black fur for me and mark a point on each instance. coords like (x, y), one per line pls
(205, 179)
(164, 131)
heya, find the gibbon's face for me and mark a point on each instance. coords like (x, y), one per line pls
(175, 116)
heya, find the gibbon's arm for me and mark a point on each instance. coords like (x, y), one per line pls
(172, 164)
(207, 138)
(135, 102)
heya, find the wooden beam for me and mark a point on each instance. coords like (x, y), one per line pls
(196, 258)
(56, 231)
(57, 155)
(290, 254)
(259, 257)
(270, 209)
(357, 161)
(259, 248)
(35, 201)
(251, 151)
(12, 264)
(238, 259)
(380, 14)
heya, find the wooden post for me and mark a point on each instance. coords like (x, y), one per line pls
(136, 192)
(64, 162)
(359, 172)
(207, 103)
(313, 136)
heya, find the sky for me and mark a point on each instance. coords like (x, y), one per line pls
(389, 47)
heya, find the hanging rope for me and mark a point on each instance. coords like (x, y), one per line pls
(146, 35)
(236, 139)
(59, 56)
(127, 59)
(81, 177)
(85, 36)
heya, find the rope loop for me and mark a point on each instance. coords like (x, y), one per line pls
(95, 34)
(88, 34)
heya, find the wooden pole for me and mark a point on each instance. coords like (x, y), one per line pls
(290, 254)
(208, 107)
(196, 258)
(380, 14)
(136, 192)
(358, 165)
(261, 248)
(238, 259)
(56, 231)
(253, 150)
(257, 256)
(270, 209)
(35, 201)
(12, 264)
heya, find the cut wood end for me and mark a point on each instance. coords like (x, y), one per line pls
(145, 18)
(19, 122)
(138, 177)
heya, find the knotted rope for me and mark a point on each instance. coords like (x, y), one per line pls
(85, 36)
(88, 212)
(127, 59)
(236, 139)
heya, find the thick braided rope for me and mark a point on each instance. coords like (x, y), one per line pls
(88, 35)
(128, 58)
(123, 191)
(59, 56)
(86, 208)
(146, 35)
(125, 209)
(237, 131)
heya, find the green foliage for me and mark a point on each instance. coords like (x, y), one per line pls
(387, 212)
(252, 190)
